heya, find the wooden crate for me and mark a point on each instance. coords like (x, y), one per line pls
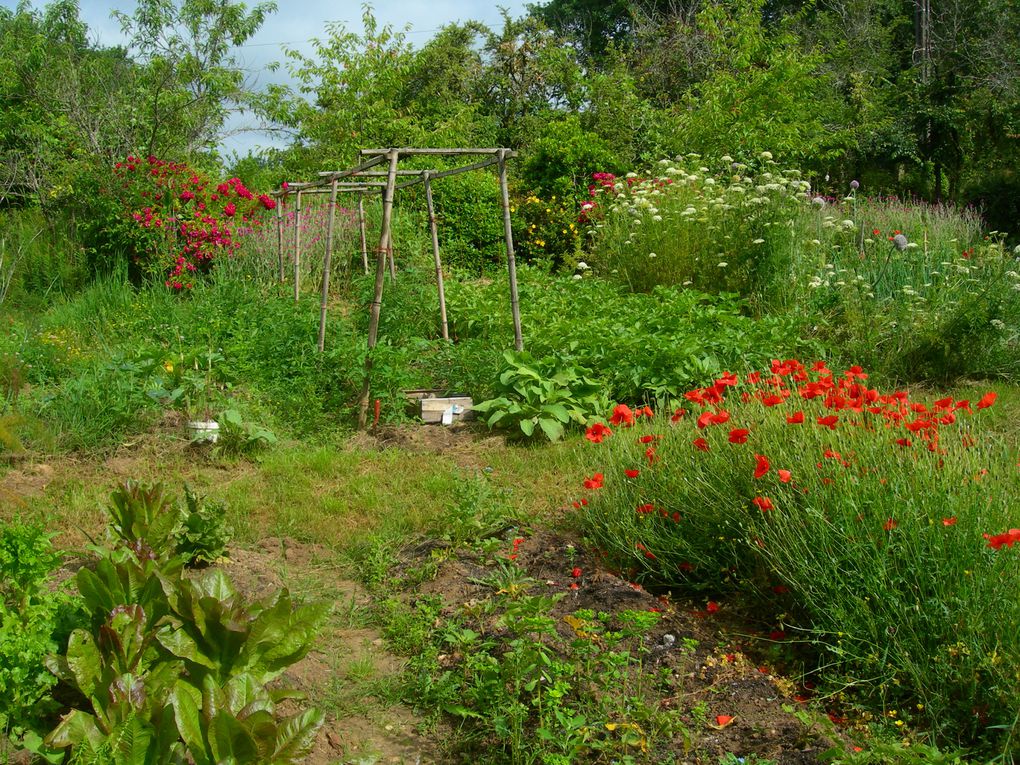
(456, 409)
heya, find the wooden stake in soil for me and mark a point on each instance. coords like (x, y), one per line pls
(435, 256)
(279, 235)
(364, 239)
(327, 262)
(297, 247)
(380, 276)
(515, 307)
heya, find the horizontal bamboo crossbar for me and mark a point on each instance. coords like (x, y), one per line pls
(437, 152)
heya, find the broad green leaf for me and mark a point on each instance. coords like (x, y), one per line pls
(528, 427)
(296, 735)
(185, 699)
(553, 429)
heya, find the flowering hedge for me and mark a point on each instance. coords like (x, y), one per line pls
(169, 220)
(883, 528)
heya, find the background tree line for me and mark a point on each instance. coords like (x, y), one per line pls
(910, 97)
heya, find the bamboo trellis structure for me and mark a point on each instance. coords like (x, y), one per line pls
(332, 182)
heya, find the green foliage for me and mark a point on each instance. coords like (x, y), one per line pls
(470, 220)
(875, 546)
(541, 395)
(562, 157)
(237, 436)
(174, 669)
(522, 692)
(29, 616)
(640, 347)
(203, 534)
(143, 515)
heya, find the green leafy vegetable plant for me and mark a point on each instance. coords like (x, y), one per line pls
(542, 395)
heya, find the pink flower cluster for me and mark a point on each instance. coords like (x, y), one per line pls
(188, 222)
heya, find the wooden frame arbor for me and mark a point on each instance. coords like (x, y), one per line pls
(330, 182)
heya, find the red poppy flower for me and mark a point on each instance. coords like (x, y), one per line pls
(647, 411)
(1008, 539)
(904, 442)
(597, 432)
(712, 607)
(631, 473)
(762, 467)
(987, 400)
(796, 418)
(646, 439)
(764, 503)
(949, 521)
(645, 508)
(650, 455)
(595, 482)
(720, 418)
(890, 524)
(574, 586)
(704, 419)
(678, 415)
(723, 720)
(739, 435)
(829, 421)
(784, 475)
(622, 415)
(772, 400)
(576, 572)
(700, 443)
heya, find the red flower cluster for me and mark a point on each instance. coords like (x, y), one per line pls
(187, 222)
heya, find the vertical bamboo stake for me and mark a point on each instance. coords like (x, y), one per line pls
(297, 247)
(389, 254)
(361, 225)
(511, 262)
(327, 262)
(435, 255)
(380, 276)
(279, 233)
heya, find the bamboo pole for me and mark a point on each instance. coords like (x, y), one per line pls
(389, 256)
(297, 248)
(380, 275)
(439, 152)
(453, 171)
(435, 255)
(279, 236)
(327, 262)
(364, 238)
(511, 263)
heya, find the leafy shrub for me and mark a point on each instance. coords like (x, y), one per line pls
(162, 218)
(873, 521)
(470, 217)
(545, 230)
(713, 226)
(30, 617)
(640, 347)
(202, 535)
(176, 668)
(544, 394)
(236, 436)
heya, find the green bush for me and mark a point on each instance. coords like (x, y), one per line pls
(30, 617)
(541, 396)
(640, 347)
(877, 524)
(175, 667)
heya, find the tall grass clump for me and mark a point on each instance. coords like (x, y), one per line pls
(728, 227)
(882, 528)
(913, 291)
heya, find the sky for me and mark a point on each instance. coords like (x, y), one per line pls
(294, 24)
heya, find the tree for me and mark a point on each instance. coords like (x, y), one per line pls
(187, 79)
